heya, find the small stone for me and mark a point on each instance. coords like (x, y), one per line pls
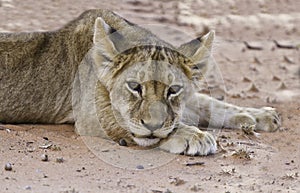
(254, 45)
(44, 158)
(253, 68)
(122, 142)
(30, 150)
(60, 160)
(282, 86)
(56, 148)
(269, 100)
(8, 167)
(156, 191)
(253, 88)
(282, 67)
(45, 146)
(196, 188)
(176, 181)
(46, 138)
(236, 95)
(288, 60)
(246, 79)
(220, 98)
(27, 187)
(257, 61)
(195, 163)
(285, 44)
(140, 167)
(276, 78)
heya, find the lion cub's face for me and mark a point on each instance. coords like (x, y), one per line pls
(148, 84)
(148, 98)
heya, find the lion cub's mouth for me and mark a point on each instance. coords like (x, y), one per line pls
(147, 141)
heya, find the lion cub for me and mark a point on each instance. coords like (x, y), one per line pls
(130, 86)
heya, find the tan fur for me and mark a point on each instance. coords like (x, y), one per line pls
(120, 81)
(37, 69)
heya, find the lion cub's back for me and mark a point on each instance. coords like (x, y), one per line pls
(34, 85)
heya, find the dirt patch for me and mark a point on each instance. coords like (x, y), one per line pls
(256, 71)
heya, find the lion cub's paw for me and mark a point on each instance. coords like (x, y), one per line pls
(190, 140)
(267, 119)
(264, 119)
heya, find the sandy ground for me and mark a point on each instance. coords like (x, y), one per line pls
(257, 53)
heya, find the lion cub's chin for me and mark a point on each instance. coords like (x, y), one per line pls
(145, 142)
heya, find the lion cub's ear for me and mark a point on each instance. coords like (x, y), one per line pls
(199, 51)
(102, 40)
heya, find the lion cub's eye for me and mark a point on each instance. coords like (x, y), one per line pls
(134, 86)
(174, 90)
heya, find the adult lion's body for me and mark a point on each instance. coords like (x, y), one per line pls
(117, 80)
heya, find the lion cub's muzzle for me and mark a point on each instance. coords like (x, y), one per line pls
(155, 123)
(156, 117)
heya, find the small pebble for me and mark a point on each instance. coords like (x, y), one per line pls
(257, 61)
(196, 188)
(195, 164)
(282, 86)
(122, 142)
(253, 88)
(60, 160)
(220, 98)
(46, 138)
(140, 167)
(8, 167)
(246, 79)
(44, 158)
(276, 78)
(27, 187)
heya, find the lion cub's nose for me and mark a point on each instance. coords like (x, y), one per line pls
(156, 116)
(152, 126)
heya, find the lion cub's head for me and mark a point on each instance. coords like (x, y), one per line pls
(147, 79)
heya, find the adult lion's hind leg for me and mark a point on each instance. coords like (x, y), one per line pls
(189, 140)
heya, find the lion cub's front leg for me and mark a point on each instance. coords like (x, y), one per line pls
(189, 140)
(205, 110)
(264, 119)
